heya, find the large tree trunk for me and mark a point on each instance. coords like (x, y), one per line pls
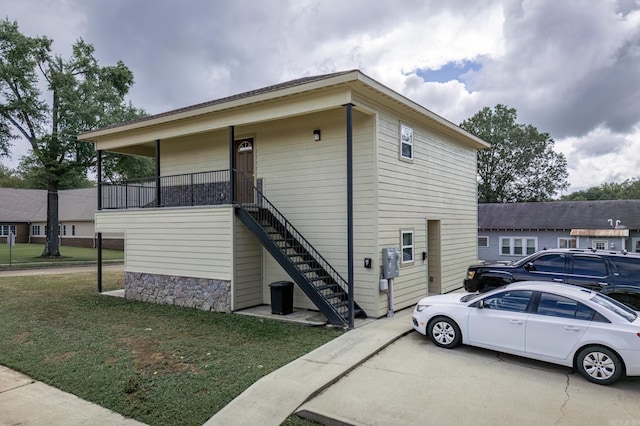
(52, 244)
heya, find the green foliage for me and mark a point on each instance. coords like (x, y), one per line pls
(81, 96)
(521, 164)
(627, 190)
(10, 179)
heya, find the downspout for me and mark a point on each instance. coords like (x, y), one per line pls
(350, 213)
(158, 189)
(232, 156)
(99, 176)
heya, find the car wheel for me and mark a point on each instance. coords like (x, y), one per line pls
(444, 332)
(599, 365)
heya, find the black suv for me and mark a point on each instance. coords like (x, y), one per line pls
(616, 274)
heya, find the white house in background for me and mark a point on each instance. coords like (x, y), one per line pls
(305, 181)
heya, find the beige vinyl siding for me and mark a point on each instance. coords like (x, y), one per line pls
(247, 276)
(196, 153)
(191, 242)
(83, 229)
(306, 181)
(438, 185)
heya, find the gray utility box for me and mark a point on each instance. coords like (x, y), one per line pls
(281, 297)
(390, 262)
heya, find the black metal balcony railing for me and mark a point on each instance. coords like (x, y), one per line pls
(193, 189)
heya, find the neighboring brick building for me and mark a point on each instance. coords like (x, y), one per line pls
(23, 212)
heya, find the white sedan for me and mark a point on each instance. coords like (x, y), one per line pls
(556, 323)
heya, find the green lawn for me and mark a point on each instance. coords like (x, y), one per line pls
(23, 255)
(162, 365)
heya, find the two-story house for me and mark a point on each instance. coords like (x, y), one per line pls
(305, 181)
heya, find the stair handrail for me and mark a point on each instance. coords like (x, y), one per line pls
(260, 199)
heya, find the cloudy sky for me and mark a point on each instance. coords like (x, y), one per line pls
(570, 68)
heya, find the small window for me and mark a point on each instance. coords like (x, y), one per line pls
(73, 230)
(406, 142)
(64, 229)
(407, 246)
(245, 146)
(483, 241)
(35, 229)
(600, 244)
(567, 243)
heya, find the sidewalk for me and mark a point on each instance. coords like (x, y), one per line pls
(24, 401)
(276, 396)
(59, 270)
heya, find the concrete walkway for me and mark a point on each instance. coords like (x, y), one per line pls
(276, 396)
(24, 401)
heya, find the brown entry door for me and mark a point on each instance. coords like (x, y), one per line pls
(244, 165)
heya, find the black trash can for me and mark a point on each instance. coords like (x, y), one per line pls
(281, 297)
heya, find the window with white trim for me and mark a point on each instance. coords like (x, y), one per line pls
(73, 230)
(35, 230)
(7, 229)
(567, 243)
(406, 142)
(518, 246)
(64, 229)
(483, 241)
(406, 244)
(600, 244)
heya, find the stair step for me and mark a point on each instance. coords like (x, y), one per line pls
(333, 286)
(320, 278)
(335, 295)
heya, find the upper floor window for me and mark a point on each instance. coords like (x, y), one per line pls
(406, 142)
(483, 241)
(518, 246)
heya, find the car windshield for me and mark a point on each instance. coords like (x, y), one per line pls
(615, 307)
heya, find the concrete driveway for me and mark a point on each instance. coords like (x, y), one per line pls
(413, 382)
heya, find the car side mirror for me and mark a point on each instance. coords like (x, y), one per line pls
(480, 304)
(529, 266)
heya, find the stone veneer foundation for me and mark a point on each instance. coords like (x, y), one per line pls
(199, 293)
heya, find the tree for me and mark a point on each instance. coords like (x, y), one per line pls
(9, 178)
(521, 164)
(627, 190)
(80, 96)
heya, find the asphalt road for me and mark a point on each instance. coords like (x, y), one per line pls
(413, 382)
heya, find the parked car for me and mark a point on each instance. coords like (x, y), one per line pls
(614, 273)
(556, 323)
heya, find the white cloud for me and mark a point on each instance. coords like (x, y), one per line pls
(569, 68)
